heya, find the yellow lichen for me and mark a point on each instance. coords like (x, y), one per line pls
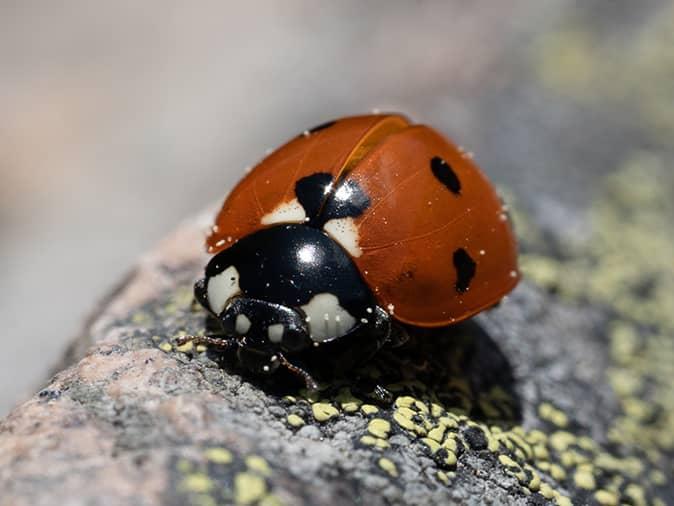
(248, 488)
(388, 466)
(375, 441)
(347, 401)
(218, 455)
(197, 482)
(450, 460)
(379, 427)
(323, 411)
(606, 498)
(184, 348)
(548, 412)
(437, 433)
(295, 420)
(369, 409)
(432, 444)
(584, 479)
(258, 464)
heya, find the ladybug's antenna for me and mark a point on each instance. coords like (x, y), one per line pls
(216, 342)
(298, 371)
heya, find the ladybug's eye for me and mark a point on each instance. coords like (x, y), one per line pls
(222, 287)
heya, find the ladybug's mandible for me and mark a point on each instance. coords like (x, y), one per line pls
(345, 235)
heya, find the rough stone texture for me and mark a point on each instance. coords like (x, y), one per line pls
(511, 408)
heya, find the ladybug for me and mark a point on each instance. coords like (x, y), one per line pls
(346, 236)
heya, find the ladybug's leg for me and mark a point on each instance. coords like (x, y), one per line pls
(398, 336)
(298, 371)
(215, 342)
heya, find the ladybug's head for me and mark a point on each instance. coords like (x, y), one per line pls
(284, 289)
(261, 329)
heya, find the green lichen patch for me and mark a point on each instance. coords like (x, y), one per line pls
(456, 399)
(627, 266)
(221, 476)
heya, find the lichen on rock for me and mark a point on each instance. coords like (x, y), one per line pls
(523, 404)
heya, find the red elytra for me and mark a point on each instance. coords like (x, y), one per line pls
(435, 244)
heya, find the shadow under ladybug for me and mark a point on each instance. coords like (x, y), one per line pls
(461, 366)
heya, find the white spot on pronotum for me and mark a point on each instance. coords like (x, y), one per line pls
(242, 324)
(223, 287)
(326, 318)
(275, 332)
(345, 232)
(287, 212)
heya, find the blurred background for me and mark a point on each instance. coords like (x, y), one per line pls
(119, 119)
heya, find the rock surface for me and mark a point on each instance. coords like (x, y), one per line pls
(517, 406)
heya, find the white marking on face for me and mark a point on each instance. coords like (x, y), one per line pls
(223, 287)
(326, 318)
(287, 212)
(242, 324)
(275, 332)
(345, 232)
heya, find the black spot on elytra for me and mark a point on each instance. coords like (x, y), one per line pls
(311, 192)
(446, 175)
(348, 199)
(323, 202)
(322, 126)
(465, 269)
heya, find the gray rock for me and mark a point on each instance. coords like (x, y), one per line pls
(511, 408)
